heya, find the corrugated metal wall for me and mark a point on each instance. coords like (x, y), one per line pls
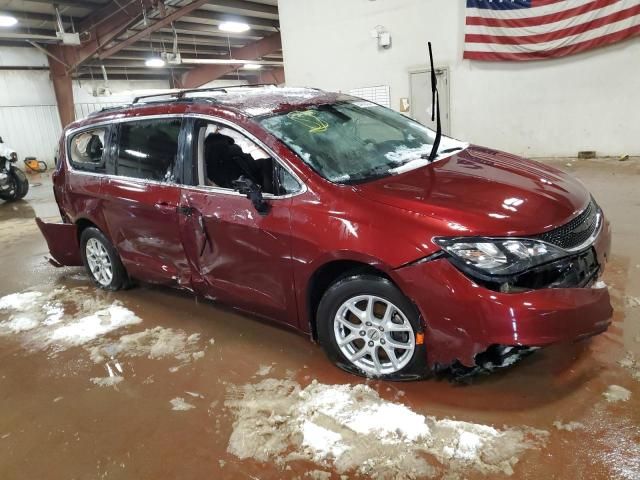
(84, 109)
(32, 130)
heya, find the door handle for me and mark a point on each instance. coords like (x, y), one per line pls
(166, 207)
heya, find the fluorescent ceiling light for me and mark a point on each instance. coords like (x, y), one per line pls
(155, 62)
(234, 27)
(252, 66)
(7, 21)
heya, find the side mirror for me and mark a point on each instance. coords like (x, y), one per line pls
(247, 187)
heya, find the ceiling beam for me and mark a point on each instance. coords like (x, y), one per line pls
(105, 25)
(207, 73)
(20, 67)
(86, 4)
(243, 5)
(86, 77)
(140, 70)
(23, 34)
(98, 78)
(166, 36)
(143, 55)
(163, 22)
(204, 16)
(212, 30)
(119, 63)
(39, 17)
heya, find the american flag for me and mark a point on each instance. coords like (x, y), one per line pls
(539, 29)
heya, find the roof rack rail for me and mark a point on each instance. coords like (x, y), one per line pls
(106, 109)
(179, 94)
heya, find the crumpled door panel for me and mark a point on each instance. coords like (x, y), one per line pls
(62, 239)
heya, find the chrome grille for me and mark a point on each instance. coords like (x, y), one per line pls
(576, 232)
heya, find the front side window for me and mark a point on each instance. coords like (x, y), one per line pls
(148, 149)
(351, 141)
(225, 155)
(86, 150)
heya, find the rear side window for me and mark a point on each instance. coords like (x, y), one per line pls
(86, 150)
(148, 149)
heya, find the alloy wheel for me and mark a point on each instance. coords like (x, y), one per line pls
(99, 262)
(374, 334)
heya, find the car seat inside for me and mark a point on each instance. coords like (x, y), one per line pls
(225, 156)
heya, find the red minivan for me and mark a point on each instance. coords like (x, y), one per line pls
(326, 213)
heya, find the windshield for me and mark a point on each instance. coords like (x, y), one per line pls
(353, 141)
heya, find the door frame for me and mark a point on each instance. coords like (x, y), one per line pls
(446, 124)
(188, 155)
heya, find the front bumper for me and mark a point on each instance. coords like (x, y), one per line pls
(463, 318)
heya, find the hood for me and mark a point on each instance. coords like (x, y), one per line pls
(483, 192)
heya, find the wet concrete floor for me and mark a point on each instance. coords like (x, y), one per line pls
(55, 423)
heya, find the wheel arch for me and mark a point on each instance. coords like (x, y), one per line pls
(84, 223)
(326, 275)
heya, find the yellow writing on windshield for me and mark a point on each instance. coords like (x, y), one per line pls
(309, 119)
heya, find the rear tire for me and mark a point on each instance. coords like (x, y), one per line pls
(368, 327)
(19, 188)
(102, 261)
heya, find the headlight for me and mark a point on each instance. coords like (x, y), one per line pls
(14, 157)
(500, 256)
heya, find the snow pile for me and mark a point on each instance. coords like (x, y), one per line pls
(403, 153)
(350, 428)
(20, 324)
(92, 326)
(256, 111)
(19, 301)
(631, 302)
(154, 343)
(568, 427)
(62, 318)
(107, 381)
(264, 370)
(616, 393)
(180, 404)
(630, 363)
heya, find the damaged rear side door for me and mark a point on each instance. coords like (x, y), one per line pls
(142, 192)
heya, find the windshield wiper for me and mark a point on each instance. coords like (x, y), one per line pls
(435, 108)
(447, 150)
(452, 149)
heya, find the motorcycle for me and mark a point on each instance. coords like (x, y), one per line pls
(14, 184)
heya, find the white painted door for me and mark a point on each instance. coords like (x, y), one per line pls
(420, 85)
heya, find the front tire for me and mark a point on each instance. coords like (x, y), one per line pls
(102, 261)
(368, 327)
(19, 186)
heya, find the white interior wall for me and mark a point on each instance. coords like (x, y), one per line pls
(544, 108)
